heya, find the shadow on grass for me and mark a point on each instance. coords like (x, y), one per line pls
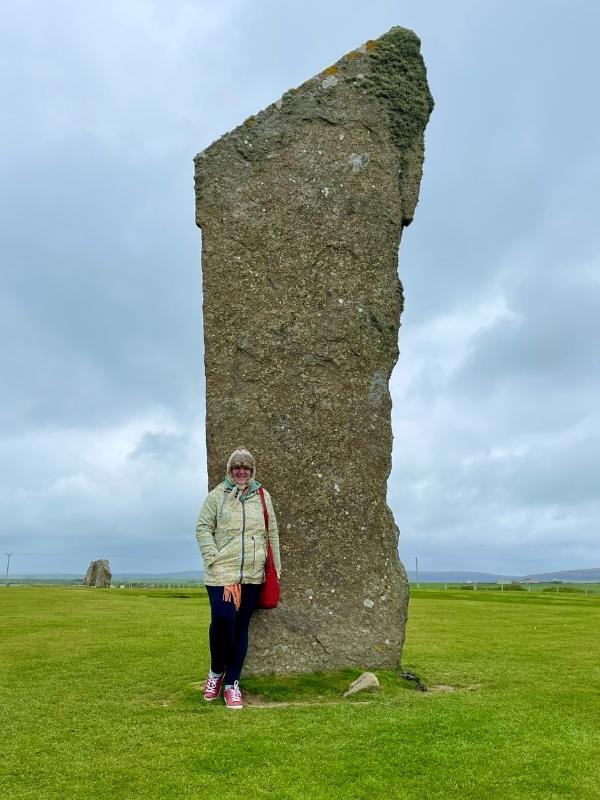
(316, 688)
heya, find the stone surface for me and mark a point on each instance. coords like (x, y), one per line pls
(367, 682)
(98, 574)
(301, 209)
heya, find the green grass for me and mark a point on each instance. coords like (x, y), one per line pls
(98, 697)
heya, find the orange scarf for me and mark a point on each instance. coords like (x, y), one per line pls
(233, 592)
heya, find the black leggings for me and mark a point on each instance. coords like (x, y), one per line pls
(228, 632)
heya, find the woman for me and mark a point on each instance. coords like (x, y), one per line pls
(233, 542)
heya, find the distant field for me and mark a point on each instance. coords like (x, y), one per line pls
(100, 696)
(555, 588)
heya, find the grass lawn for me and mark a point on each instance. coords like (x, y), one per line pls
(98, 698)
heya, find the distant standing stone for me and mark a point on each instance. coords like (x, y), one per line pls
(367, 682)
(98, 574)
(302, 208)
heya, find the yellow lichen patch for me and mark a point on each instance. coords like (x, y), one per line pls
(295, 91)
(354, 54)
(371, 45)
(330, 70)
(249, 122)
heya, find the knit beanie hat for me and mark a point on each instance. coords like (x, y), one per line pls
(240, 456)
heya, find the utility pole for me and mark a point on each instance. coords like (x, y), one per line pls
(8, 555)
(417, 570)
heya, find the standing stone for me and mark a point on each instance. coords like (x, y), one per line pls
(301, 209)
(98, 574)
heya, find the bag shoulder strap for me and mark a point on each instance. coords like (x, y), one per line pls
(264, 508)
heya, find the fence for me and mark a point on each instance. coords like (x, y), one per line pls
(546, 588)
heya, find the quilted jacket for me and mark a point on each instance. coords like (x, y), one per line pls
(232, 537)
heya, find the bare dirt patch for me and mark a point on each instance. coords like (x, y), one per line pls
(445, 688)
(442, 688)
(256, 701)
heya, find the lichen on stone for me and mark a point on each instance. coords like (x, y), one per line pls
(399, 79)
(329, 81)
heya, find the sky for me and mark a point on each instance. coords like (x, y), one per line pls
(496, 416)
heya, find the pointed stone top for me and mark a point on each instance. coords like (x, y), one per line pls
(389, 68)
(381, 85)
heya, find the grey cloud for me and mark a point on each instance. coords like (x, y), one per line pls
(107, 325)
(102, 493)
(163, 447)
(554, 332)
(512, 143)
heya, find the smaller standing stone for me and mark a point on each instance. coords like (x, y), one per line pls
(367, 682)
(98, 574)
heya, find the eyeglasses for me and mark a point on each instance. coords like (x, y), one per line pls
(241, 466)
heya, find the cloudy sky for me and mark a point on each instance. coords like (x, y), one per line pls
(496, 413)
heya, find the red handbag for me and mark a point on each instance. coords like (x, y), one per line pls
(270, 591)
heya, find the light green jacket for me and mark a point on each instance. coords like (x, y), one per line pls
(232, 539)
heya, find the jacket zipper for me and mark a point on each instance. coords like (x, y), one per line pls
(253, 553)
(243, 532)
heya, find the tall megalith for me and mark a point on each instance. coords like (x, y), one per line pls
(302, 209)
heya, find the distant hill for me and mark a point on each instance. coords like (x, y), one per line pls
(190, 575)
(458, 576)
(567, 575)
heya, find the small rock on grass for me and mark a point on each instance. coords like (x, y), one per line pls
(367, 682)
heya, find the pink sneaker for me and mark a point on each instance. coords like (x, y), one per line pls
(213, 686)
(233, 696)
